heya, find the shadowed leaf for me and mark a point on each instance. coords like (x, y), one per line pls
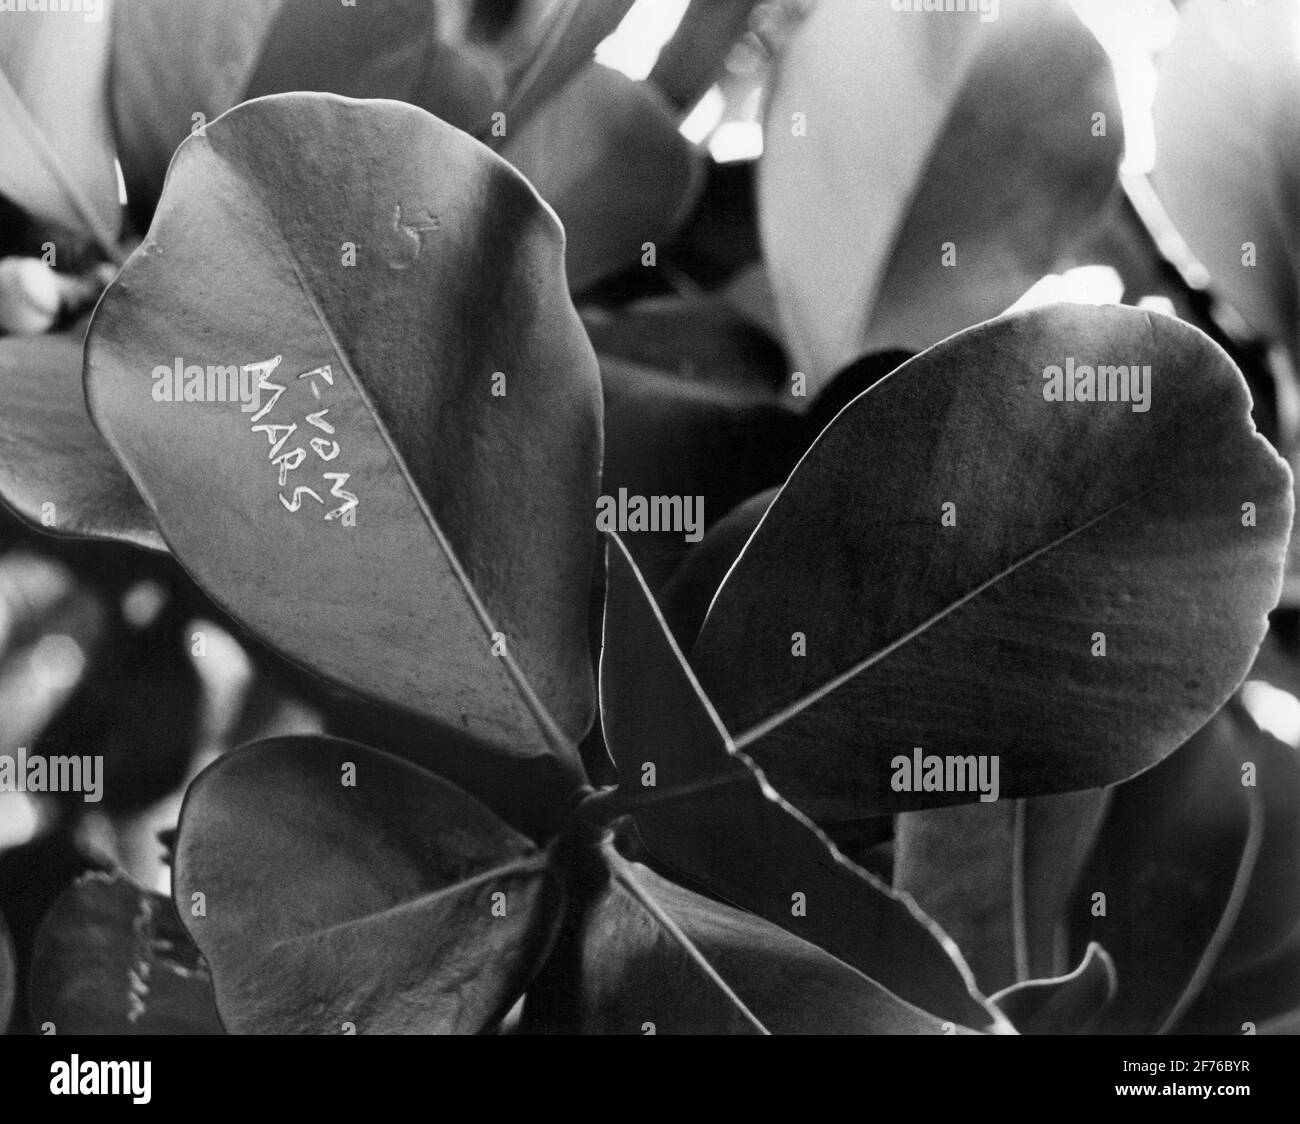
(606, 154)
(998, 877)
(50, 453)
(382, 897)
(1065, 1005)
(710, 815)
(658, 958)
(112, 958)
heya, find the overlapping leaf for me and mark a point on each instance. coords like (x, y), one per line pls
(336, 889)
(51, 454)
(606, 154)
(709, 814)
(998, 877)
(418, 471)
(1069, 1004)
(971, 629)
(890, 135)
(111, 958)
(656, 958)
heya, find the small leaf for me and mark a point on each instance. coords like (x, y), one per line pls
(693, 585)
(409, 507)
(998, 877)
(51, 454)
(889, 137)
(1066, 1005)
(112, 958)
(710, 815)
(693, 58)
(955, 550)
(327, 883)
(54, 127)
(606, 154)
(7, 975)
(654, 955)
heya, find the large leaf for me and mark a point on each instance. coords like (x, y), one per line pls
(441, 559)
(606, 154)
(51, 454)
(1068, 1004)
(111, 958)
(998, 877)
(173, 59)
(1227, 169)
(653, 957)
(54, 126)
(340, 885)
(917, 132)
(710, 815)
(1072, 519)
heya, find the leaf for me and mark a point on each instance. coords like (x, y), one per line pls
(50, 453)
(112, 958)
(1172, 861)
(710, 815)
(1072, 518)
(606, 154)
(372, 50)
(667, 437)
(690, 590)
(655, 958)
(1226, 168)
(441, 560)
(54, 126)
(1067, 1005)
(172, 59)
(368, 896)
(7, 975)
(693, 58)
(571, 32)
(1253, 970)
(915, 150)
(698, 340)
(998, 877)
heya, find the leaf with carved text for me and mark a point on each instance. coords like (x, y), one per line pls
(400, 494)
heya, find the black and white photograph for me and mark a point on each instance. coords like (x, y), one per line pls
(650, 518)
